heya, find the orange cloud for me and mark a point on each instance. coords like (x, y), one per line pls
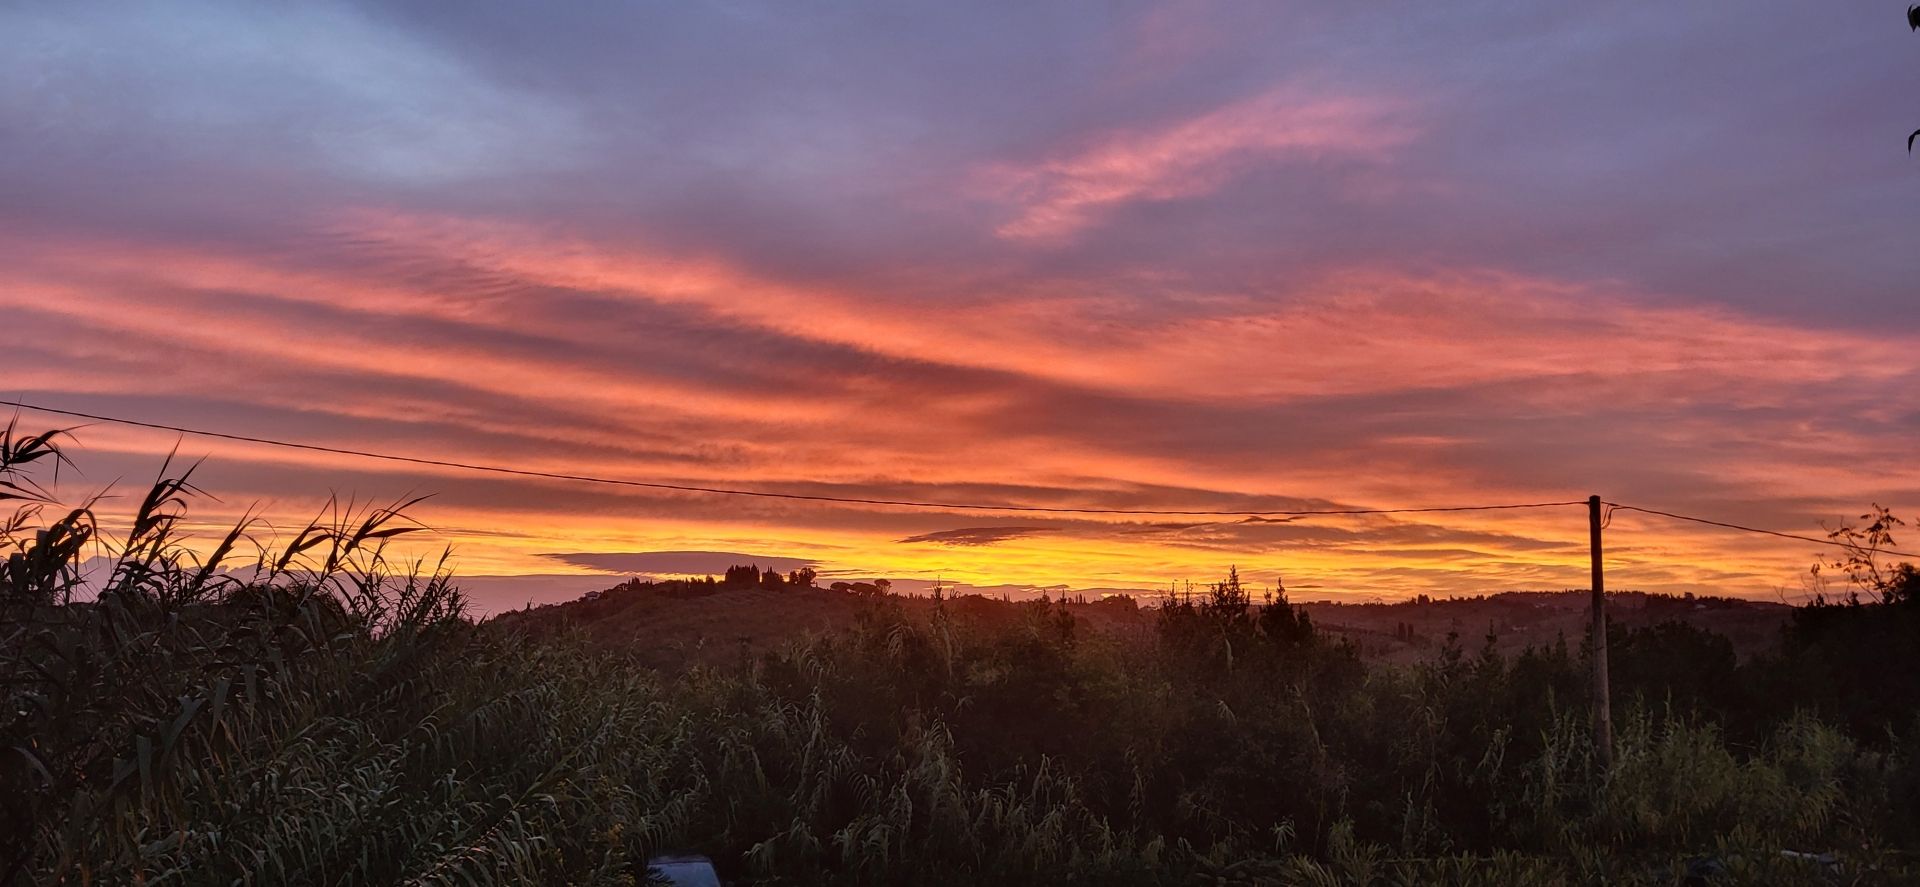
(1360, 387)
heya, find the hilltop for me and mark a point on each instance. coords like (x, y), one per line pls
(678, 622)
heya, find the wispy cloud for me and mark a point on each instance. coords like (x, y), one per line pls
(1058, 197)
(677, 563)
(976, 535)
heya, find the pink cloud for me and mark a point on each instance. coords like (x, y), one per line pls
(1057, 198)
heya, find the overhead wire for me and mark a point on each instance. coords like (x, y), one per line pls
(1747, 529)
(765, 494)
(911, 503)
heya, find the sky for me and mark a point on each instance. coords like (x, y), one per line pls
(1181, 256)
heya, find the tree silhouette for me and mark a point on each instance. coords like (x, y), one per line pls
(1913, 23)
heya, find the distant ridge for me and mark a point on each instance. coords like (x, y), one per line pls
(675, 623)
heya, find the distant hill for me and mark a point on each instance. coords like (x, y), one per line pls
(677, 623)
(1408, 630)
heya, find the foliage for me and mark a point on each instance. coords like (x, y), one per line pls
(318, 715)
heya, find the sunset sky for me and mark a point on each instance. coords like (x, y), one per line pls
(1183, 256)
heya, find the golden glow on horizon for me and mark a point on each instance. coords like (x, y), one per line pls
(1644, 553)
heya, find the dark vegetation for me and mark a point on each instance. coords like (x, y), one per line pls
(715, 621)
(325, 715)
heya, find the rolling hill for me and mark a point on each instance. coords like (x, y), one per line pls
(677, 623)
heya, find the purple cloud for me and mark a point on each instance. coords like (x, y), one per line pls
(976, 535)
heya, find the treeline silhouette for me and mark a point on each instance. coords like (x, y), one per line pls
(324, 714)
(741, 576)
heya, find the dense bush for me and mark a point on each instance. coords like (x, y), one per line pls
(319, 715)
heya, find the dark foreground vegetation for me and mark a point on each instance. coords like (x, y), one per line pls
(325, 717)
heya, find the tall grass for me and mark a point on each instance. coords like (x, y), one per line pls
(306, 711)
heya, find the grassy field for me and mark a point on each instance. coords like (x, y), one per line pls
(327, 716)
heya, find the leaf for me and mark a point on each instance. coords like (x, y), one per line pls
(1913, 17)
(143, 754)
(39, 764)
(391, 532)
(188, 708)
(1916, 135)
(221, 689)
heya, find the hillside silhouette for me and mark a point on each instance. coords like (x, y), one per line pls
(680, 622)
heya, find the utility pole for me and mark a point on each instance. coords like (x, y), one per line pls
(1602, 697)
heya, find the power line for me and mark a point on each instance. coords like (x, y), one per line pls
(904, 503)
(724, 491)
(1714, 523)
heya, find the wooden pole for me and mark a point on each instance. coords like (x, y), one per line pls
(1602, 697)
